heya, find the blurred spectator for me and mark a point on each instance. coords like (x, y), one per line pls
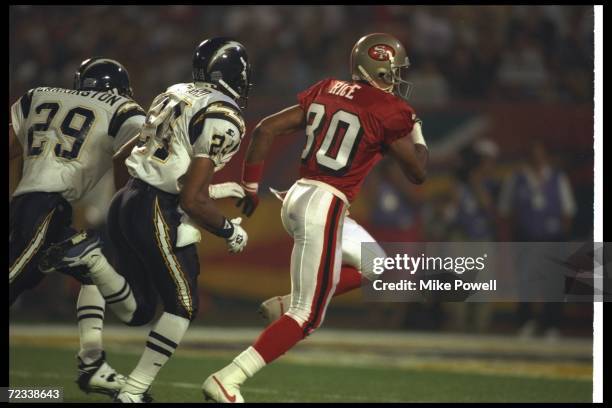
(395, 204)
(471, 214)
(430, 86)
(539, 203)
(472, 211)
(539, 199)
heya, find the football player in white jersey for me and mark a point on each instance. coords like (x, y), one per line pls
(67, 138)
(191, 131)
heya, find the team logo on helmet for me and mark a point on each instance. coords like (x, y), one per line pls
(381, 52)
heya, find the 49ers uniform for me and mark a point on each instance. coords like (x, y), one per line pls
(349, 126)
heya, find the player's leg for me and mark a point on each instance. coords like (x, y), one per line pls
(175, 272)
(353, 235)
(94, 373)
(36, 220)
(314, 217)
(80, 255)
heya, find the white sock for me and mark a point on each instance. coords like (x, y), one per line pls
(114, 287)
(90, 317)
(163, 339)
(244, 366)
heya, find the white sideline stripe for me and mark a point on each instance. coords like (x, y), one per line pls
(31, 248)
(29, 374)
(164, 240)
(337, 337)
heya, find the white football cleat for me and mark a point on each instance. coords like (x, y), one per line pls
(129, 398)
(272, 309)
(217, 390)
(99, 377)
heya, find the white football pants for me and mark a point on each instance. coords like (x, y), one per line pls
(313, 214)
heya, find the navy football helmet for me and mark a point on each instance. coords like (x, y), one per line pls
(100, 74)
(223, 62)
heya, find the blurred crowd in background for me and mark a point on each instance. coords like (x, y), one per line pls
(505, 93)
(457, 52)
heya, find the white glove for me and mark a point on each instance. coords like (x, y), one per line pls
(239, 238)
(225, 190)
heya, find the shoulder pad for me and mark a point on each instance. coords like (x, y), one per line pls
(125, 111)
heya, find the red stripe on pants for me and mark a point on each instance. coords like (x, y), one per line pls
(326, 266)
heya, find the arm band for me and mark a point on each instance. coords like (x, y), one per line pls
(226, 231)
(251, 174)
(417, 134)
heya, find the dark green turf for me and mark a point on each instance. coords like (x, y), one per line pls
(295, 382)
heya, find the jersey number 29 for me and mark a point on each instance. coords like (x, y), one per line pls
(76, 135)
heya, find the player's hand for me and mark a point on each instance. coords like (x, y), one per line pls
(249, 202)
(225, 190)
(239, 238)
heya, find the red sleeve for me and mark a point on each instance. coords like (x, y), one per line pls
(306, 97)
(398, 123)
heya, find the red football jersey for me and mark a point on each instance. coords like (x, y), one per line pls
(348, 124)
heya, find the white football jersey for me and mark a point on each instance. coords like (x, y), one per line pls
(69, 137)
(185, 122)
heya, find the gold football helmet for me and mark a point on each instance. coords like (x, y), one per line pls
(381, 60)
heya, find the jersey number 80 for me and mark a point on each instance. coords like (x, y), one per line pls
(339, 145)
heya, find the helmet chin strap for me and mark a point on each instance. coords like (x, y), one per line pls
(368, 78)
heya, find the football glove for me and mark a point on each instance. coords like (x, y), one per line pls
(251, 175)
(225, 190)
(238, 240)
(249, 203)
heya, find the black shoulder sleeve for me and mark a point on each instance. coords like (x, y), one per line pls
(123, 113)
(26, 103)
(196, 124)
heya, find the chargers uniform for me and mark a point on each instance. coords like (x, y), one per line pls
(68, 139)
(154, 240)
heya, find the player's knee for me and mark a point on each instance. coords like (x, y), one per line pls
(371, 251)
(299, 314)
(143, 315)
(189, 311)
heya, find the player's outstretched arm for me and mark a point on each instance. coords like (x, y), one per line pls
(14, 145)
(412, 158)
(195, 201)
(285, 122)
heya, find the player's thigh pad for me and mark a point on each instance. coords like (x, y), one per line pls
(315, 218)
(154, 220)
(127, 261)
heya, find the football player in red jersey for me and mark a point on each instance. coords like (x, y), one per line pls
(349, 125)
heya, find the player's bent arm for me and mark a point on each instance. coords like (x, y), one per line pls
(285, 122)
(194, 198)
(412, 158)
(15, 149)
(120, 171)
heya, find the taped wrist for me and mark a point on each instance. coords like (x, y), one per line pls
(226, 231)
(417, 134)
(251, 175)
